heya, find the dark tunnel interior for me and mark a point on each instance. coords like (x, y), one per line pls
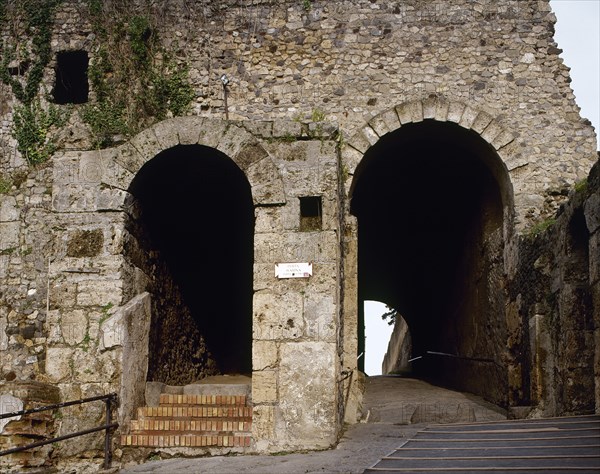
(196, 207)
(428, 204)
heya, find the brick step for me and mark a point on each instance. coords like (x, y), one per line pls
(192, 425)
(195, 412)
(167, 399)
(169, 440)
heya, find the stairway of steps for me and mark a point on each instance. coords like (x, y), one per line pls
(193, 421)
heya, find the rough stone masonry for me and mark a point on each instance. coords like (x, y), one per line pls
(428, 154)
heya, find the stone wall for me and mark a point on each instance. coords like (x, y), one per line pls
(553, 310)
(312, 88)
(399, 351)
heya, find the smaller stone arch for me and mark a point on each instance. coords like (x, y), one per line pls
(230, 138)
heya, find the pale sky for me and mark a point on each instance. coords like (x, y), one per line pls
(578, 35)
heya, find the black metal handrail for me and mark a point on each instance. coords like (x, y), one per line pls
(107, 427)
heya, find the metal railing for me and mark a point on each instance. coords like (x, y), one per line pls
(110, 400)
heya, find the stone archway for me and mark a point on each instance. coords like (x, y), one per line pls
(433, 205)
(227, 142)
(192, 238)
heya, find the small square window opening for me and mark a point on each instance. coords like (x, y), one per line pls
(311, 212)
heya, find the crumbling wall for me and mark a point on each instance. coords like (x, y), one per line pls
(553, 310)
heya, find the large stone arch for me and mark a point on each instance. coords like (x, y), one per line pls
(431, 108)
(492, 134)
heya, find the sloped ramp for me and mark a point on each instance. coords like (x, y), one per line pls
(556, 445)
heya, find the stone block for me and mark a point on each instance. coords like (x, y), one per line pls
(278, 316)
(441, 110)
(233, 140)
(263, 129)
(308, 402)
(455, 111)
(9, 235)
(268, 219)
(9, 404)
(129, 157)
(113, 174)
(8, 209)
(188, 129)
(59, 364)
(111, 331)
(147, 144)
(65, 168)
(3, 335)
(91, 168)
(490, 132)
(110, 199)
(360, 142)
(166, 134)
(319, 313)
(74, 198)
(263, 422)
(264, 386)
(74, 326)
(264, 355)
(99, 292)
(502, 139)
(267, 186)
(287, 128)
(467, 119)
(480, 123)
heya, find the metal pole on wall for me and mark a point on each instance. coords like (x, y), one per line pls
(225, 82)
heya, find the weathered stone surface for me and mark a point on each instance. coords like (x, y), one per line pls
(59, 363)
(73, 326)
(399, 351)
(264, 355)
(592, 213)
(278, 317)
(307, 410)
(9, 404)
(264, 386)
(317, 92)
(8, 209)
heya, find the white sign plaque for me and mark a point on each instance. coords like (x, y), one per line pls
(293, 270)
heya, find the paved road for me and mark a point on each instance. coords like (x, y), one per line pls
(395, 409)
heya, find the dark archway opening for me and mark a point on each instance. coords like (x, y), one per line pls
(194, 231)
(429, 199)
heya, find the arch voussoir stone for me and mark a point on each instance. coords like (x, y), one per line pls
(481, 122)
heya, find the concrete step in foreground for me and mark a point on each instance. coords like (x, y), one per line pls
(570, 444)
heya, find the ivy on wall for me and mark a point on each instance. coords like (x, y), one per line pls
(134, 79)
(24, 59)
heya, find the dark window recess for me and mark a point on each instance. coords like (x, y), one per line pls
(311, 210)
(71, 85)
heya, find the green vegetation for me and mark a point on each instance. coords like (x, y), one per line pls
(5, 184)
(105, 313)
(32, 124)
(135, 81)
(541, 227)
(581, 186)
(22, 69)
